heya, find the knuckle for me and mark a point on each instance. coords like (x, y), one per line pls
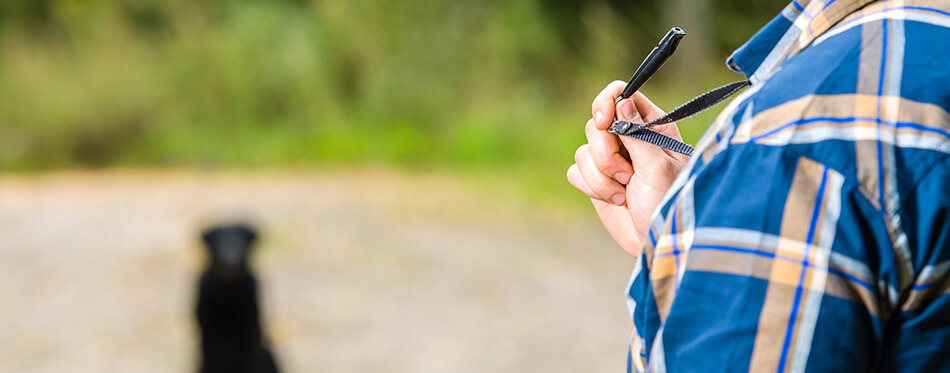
(601, 186)
(572, 179)
(590, 127)
(605, 162)
(580, 153)
(572, 173)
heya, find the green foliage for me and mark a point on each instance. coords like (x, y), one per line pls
(466, 84)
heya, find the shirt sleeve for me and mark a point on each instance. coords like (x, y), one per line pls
(769, 261)
(918, 338)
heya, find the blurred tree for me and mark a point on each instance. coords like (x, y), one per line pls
(567, 16)
(107, 82)
(33, 15)
(694, 17)
(147, 17)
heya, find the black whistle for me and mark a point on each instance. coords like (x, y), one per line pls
(653, 62)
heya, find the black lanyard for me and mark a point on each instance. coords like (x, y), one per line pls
(657, 57)
(692, 107)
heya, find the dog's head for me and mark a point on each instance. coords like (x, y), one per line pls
(228, 248)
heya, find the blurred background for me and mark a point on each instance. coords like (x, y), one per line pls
(404, 162)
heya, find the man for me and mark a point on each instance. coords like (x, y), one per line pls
(810, 230)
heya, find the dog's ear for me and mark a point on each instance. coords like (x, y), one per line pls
(209, 236)
(247, 233)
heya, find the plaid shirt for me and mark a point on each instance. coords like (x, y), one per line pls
(811, 228)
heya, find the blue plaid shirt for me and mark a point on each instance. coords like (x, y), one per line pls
(811, 228)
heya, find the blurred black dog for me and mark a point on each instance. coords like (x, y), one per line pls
(228, 312)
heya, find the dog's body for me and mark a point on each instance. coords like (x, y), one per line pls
(228, 312)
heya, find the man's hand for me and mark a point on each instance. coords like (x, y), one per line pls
(625, 178)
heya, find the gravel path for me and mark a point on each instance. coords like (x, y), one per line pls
(360, 272)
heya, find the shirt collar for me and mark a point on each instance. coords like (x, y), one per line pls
(800, 23)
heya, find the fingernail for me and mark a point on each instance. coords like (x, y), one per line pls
(627, 110)
(619, 199)
(598, 117)
(623, 177)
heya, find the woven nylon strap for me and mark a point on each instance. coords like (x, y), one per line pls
(702, 102)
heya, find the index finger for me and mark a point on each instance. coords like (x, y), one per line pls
(603, 109)
(605, 150)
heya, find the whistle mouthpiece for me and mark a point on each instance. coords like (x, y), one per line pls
(671, 40)
(654, 61)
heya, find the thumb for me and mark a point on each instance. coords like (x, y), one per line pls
(643, 154)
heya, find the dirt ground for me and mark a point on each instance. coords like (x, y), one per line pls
(359, 272)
